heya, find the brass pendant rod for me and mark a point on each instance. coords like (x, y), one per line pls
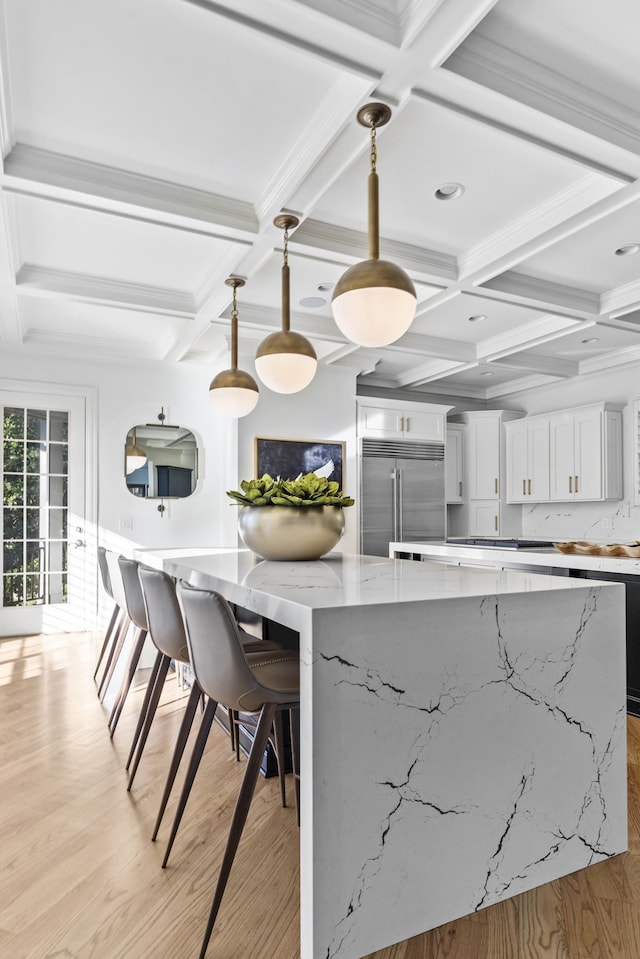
(234, 333)
(374, 221)
(286, 319)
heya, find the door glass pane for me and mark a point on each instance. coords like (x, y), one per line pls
(36, 424)
(13, 423)
(34, 471)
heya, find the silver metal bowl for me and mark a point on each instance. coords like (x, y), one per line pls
(291, 532)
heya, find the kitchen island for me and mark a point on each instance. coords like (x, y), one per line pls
(462, 730)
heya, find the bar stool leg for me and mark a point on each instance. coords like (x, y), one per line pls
(155, 693)
(196, 756)
(181, 742)
(108, 636)
(126, 682)
(240, 813)
(278, 733)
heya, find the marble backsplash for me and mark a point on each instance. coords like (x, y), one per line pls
(610, 522)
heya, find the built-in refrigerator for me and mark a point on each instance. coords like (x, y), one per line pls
(402, 494)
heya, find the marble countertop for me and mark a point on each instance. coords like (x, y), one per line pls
(527, 557)
(286, 592)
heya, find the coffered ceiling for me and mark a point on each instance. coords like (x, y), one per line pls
(148, 144)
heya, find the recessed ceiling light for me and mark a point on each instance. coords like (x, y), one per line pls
(628, 249)
(325, 287)
(487, 373)
(592, 339)
(312, 302)
(449, 191)
(477, 318)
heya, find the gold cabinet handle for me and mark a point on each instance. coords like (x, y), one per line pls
(495, 486)
(576, 483)
(460, 488)
(524, 487)
(495, 523)
(571, 484)
(529, 482)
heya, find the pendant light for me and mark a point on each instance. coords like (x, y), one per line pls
(135, 456)
(286, 362)
(234, 392)
(374, 302)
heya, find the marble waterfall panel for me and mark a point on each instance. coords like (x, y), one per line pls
(456, 753)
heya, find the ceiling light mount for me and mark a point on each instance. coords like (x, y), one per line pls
(286, 361)
(233, 392)
(449, 191)
(628, 249)
(374, 302)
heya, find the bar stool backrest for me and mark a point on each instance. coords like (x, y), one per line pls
(166, 626)
(133, 592)
(215, 649)
(115, 578)
(104, 571)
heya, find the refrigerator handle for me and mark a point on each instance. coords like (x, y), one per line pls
(394, 481)
(400, 506)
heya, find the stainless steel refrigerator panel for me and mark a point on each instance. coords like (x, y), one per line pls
(421, 500)
(400, 499)
(378, 518)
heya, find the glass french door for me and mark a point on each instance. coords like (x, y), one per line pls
(44, 542)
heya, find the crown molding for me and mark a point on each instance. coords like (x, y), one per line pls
(27, 164)
(353, 245)
(623, 299)
(494, 65)
(553, 213)
(370, 16)
(551, 366)
(544, 291)
(324, 54)
(45, 282)
(95, 347)
(334, 110)
(430, 371)
(518, 386)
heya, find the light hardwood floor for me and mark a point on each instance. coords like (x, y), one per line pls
(80, 878)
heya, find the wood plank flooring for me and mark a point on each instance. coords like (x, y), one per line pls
(80, 878)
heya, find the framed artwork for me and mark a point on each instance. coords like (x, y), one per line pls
(289, 458)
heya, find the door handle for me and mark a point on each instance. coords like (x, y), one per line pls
(524, 487)
(78, 543)
(576, 483)
(495, 523)
(529, 482)
(394, 481)
(460, 485)
(400, 506)
(571, 484)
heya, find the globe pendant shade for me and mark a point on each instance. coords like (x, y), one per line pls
(286, 362)
(374, 303)
(234, 393)
(136, 458)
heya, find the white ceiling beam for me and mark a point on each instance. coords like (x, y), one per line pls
(28, 169)
(550, 365)
(533, 289)
(47, 283)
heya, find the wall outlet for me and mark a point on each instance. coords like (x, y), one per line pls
(126, 522)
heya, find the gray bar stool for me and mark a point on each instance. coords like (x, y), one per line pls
(138, 616)
(166, 631)
(117, 588)
(111, 631)
(263, 683)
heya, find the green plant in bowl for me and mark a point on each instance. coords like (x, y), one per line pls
(306, 490)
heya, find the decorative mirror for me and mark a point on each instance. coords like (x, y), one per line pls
(161, 462)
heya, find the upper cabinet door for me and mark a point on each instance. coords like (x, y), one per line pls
(453, 462)
(423, 425)
(588, 481)
(484, 458)
(561, 456)
(538, 480)
(517, 454)
(376, 421)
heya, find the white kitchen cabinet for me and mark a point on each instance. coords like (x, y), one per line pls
(527, 460)
(453, 463)
(586, 453)
(397, 420)
(485, 511)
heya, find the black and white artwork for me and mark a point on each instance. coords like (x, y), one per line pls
(289, 458)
